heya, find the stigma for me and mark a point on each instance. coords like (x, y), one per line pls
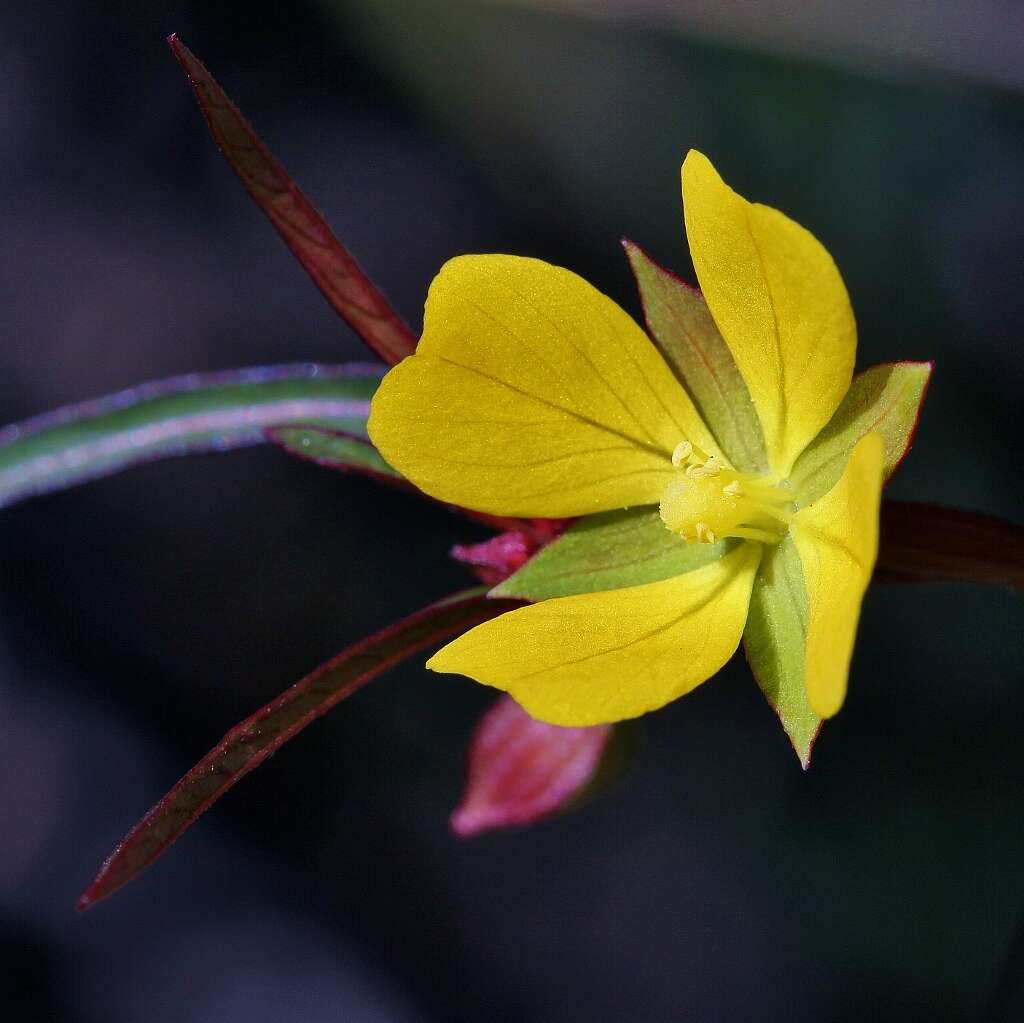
(707, 502)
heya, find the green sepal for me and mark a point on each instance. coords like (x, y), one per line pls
(884, 399)
(332, 449)
(681, 327)
(607, 552)
(775, 638)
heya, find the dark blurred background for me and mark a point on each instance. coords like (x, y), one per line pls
(141, 616)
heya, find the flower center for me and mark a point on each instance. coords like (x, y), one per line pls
(708, 502)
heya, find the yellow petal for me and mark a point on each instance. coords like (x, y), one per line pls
(837, 540)
(531, 393)
(607, 656)
(781, 306)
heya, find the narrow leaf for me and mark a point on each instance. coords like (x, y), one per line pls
(333, 450)
(774, 640)
(248, 744)
(303, 230)
(608, 551)
(885, 400)
(521, 770)
(926, 543)
(685, 334)
(183, 415)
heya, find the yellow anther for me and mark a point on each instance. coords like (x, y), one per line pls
(704, 533)
(682, 452)
(732, 489)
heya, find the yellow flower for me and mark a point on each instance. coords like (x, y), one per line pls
(532, 394)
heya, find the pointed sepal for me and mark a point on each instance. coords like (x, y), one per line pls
(607, 552)
(775, 638)
(334, 449)
(884, 399)
(681, 327)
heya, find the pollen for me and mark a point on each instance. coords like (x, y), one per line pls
(705, 501)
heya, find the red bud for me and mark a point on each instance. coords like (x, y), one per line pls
(522, 770)
(496, 559)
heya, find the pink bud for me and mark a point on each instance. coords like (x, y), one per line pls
(496, 559)
(521, 770)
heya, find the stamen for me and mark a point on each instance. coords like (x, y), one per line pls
(706, 501)
(682, 452)
(752, 533)
(777, 513)
(765, 492)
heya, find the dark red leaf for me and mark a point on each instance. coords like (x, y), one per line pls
(248, 744)
(926, 543)
(303, 230)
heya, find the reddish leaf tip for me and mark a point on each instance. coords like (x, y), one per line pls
(102, 885)
(178, 48)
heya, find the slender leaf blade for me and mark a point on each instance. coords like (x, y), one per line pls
(348, 290)
(775, 638)
(684, 332)
(252, 741)
(606, 552)
(184, 415)
(884, 399)
(926, 543)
